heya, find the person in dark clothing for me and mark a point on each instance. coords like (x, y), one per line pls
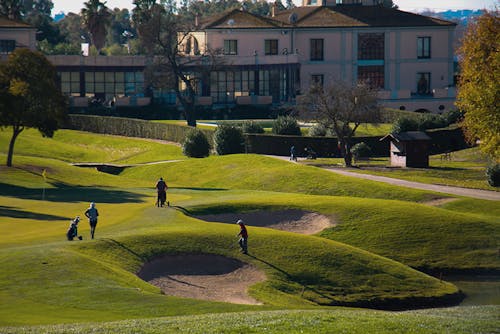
(92, 215)
(161, 188)
(243, 242)
(293, 156)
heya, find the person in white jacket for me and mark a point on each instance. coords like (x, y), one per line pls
(92, 215)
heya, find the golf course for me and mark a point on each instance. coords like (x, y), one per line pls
(327, 253)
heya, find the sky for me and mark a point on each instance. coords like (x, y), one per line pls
(74, 6)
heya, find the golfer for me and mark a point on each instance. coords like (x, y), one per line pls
(161, 188)
(92, 215)
(243, 237)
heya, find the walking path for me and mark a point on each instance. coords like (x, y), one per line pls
(467, 192)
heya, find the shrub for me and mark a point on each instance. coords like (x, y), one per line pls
(228, 139)
(431, 121)
(404, 124)
(453, 116)
(286, 125)
(493, 175)
(195, 144)
(361, 150)
(317, 130)
(252, 127)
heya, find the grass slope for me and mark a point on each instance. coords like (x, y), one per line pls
(94, 281)
(254, 172)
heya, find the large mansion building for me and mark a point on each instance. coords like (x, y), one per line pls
(274, 59)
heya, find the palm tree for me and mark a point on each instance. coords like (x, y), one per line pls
(96, 18)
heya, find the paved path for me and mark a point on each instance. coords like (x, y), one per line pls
(467, 192)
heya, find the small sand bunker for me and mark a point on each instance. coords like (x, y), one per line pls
(207, 277)
(298, 221)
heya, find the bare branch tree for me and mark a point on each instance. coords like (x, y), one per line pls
(341, 108)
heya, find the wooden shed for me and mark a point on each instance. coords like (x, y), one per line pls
(409, 149)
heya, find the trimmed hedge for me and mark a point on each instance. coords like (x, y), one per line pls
(130, 127)
(443, 140)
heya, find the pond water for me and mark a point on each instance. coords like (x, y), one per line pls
(479, 290)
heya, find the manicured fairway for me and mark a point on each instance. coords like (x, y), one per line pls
(91, 286)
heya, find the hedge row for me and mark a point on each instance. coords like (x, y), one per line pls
(443, 140)
(130, 127)
(323, 146)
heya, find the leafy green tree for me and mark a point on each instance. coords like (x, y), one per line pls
(341, 108)
(29, 96)
(72, 29)
(120, 28)
(96, 19)
(479, 88)
(12, 9)
(147, 16)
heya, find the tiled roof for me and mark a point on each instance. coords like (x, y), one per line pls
(238, 19)
(327, 17)
(7, 23)
(408, 136)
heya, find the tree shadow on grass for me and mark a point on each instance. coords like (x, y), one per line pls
(8, 211)
(67, 193)
(305, 285)
(199, 189)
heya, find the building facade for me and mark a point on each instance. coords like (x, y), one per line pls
(273, 60)
(407, 57)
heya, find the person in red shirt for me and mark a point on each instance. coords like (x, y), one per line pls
(243, 237)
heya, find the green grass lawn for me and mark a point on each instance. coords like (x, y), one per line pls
(466, 168)
(46, 280)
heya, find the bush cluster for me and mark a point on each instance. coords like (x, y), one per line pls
(228, 139)
(493, 174)
(421, 123)
(286, 125)
(195, 144)
(317, 130)
(360, 151)
(252, 127)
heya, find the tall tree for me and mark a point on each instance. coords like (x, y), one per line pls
(29, 96)
(479, 88)
(341, 108)
(170, 33)
(96, 18)
(147, 16)
(12, 9)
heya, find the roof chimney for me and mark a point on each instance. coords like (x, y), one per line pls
(274, 9)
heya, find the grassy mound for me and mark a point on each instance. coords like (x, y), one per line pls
(254, 172)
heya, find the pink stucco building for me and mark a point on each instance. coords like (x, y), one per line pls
(407, 57)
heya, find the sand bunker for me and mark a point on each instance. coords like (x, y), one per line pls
(207, 277)
(298, 221)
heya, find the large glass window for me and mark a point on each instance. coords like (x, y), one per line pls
(423, 47)
(230, 47)
(423, 83)
(317, 49)
(7, 45)
(371, 46)
(109, 83)
(225, 86)
(271, 47)
(373, 76)
(70, 83)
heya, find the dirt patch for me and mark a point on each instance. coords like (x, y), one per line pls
(298, 221)
(440, 201)
(207, 277)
